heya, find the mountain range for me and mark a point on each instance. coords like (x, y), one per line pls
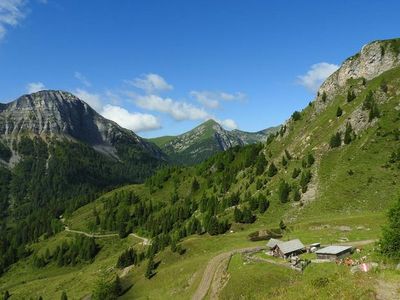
(328, 175)
(206, 140)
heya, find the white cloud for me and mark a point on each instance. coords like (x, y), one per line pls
(316, 75)
(82, 79)
(228, 124)
(212, 99)
(134, 121)
(34, 87)
(178, 110)
(11, 13)
(151, 83)
(94, 100)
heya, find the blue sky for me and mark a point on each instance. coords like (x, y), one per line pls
(163, 67)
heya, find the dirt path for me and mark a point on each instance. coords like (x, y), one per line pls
(213, 265)
(387, 290)
(145, 241)
(358, 243)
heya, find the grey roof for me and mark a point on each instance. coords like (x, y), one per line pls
(291, 246)
(273, 242)
(333, 250)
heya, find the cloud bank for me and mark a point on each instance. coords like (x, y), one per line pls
(11, 13)
(316, 75)
(34, 87)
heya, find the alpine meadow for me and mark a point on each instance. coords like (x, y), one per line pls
(217, 186)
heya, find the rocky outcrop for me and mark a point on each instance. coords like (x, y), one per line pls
(55, 114)
(373, 59)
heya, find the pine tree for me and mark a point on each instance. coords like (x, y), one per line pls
(339, 112)
(296, 195)
(324, 97)
(237, 215)
(351, 96)
(150, 268)
(310, 160)
(6, 295)
(284, 161)
(283, 191)
(117, 286)
(282, 225)
(272, 170)
(261, 163)
(384, 86)
(195, 185)
(348, 134)
(263, 204)
(64, 296)
(390, 241)
(295, 173)
(296, 116)
(336, 140)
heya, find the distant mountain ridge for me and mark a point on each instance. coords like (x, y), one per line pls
(55, 114)
(205, 140)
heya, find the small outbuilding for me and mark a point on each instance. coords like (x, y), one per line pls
(334, 252)
(289, 248)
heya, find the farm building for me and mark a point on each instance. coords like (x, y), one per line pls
(334, 252)
(289, 248)
(272, 243)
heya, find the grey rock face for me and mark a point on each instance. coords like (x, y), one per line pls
(61, 114)
(373, 59)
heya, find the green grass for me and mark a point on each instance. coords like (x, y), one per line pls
(23, 280)
(264, 280)
(162, 140)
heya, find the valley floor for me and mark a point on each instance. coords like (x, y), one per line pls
(214, 267)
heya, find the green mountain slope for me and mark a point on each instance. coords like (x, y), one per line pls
(205, 140)
(329, 174)
(57, 154)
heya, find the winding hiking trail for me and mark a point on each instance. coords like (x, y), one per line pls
(145, 241)
(212, 267)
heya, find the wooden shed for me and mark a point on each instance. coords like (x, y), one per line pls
(289, 248)
(334, 252)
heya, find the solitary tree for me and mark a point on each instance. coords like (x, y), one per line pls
(348, 134)
(272, 170)
(336, 140)
(390, 241)
(283, 191)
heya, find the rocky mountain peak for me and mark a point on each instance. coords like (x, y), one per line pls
(61, 114)
(373, 59)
